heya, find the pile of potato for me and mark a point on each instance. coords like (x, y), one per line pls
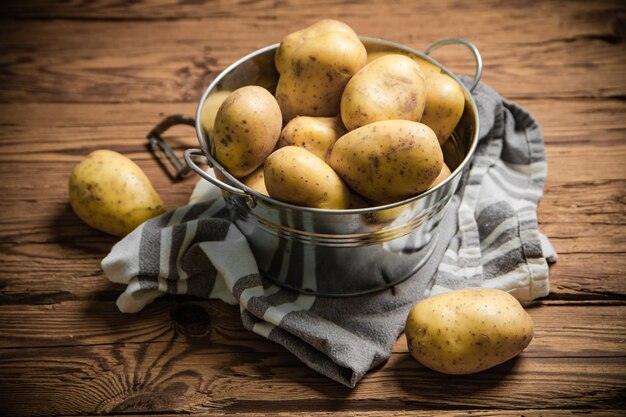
(344, 129)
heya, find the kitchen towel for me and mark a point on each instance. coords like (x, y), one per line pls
(489, 237)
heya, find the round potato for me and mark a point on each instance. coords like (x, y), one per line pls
(467, 331)
(209, 110)
(111, 193)
(444, 105)
(247, 127)
(316, 134)
(426, 66)
(315, 65)
(295, 175)
(256, 181)
(388, 161)
(388, 88)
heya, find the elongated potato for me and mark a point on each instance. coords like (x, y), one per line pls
(388, 161)
(315, 65)
(109, 192)
(391, 87)
(295, 175)
(316, 134)
(467, 331)
(247, 127)
(444, 105)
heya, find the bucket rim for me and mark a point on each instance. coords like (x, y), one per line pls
(203, 139)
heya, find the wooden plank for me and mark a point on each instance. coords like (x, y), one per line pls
(42, 128)
(418, 413)
(69, 269)
(103, 61)
(560, 331)
(564, 17)
(37, 211)
(169, 376)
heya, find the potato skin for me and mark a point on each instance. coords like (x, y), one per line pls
(316, 134)
(247, 127)
(467, 331)
(443, 174)
(256, 180)
(315, 64)
(209, 110)
(111, 193)
(388, 88)
(295, 175)
(444, 105)
(427, 68)
(388, 161)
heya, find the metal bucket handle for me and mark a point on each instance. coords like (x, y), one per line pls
(473, 49)
(189, 156)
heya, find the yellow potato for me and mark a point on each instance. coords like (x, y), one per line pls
(315, 64)
(453, 154)
(316, 134)
(256, 181)
(111, 193)
(444, 105)
(209, 110)
(247, 127)
(388, 161)
(389, 88)
(295, 175)
(467, 331)
(426, 66)
(357, 202)
(445, 173)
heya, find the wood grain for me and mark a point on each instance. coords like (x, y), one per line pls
(127, 378)
(96, 61)
(419, 413)
(77, 75)
(598, 330)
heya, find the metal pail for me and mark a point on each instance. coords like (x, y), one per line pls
(338, 253)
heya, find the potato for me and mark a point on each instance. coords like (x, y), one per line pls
(388, 161)
(445, 173)
(467, 331)
(357, 202)
(390, 87)
(315, 65)
(247, 127)
(453, 154)
(295, 175)
(111, 193)
(426, 66)
(209, 110)
(316, 134)
(444, 105)
(256, 181)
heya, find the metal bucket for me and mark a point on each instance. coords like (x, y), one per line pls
(338, 253)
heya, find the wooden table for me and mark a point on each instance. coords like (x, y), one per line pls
(78, 76)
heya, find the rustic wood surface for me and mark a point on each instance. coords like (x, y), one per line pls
(79, 75)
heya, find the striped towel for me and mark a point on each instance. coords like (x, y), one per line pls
(488, 238)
